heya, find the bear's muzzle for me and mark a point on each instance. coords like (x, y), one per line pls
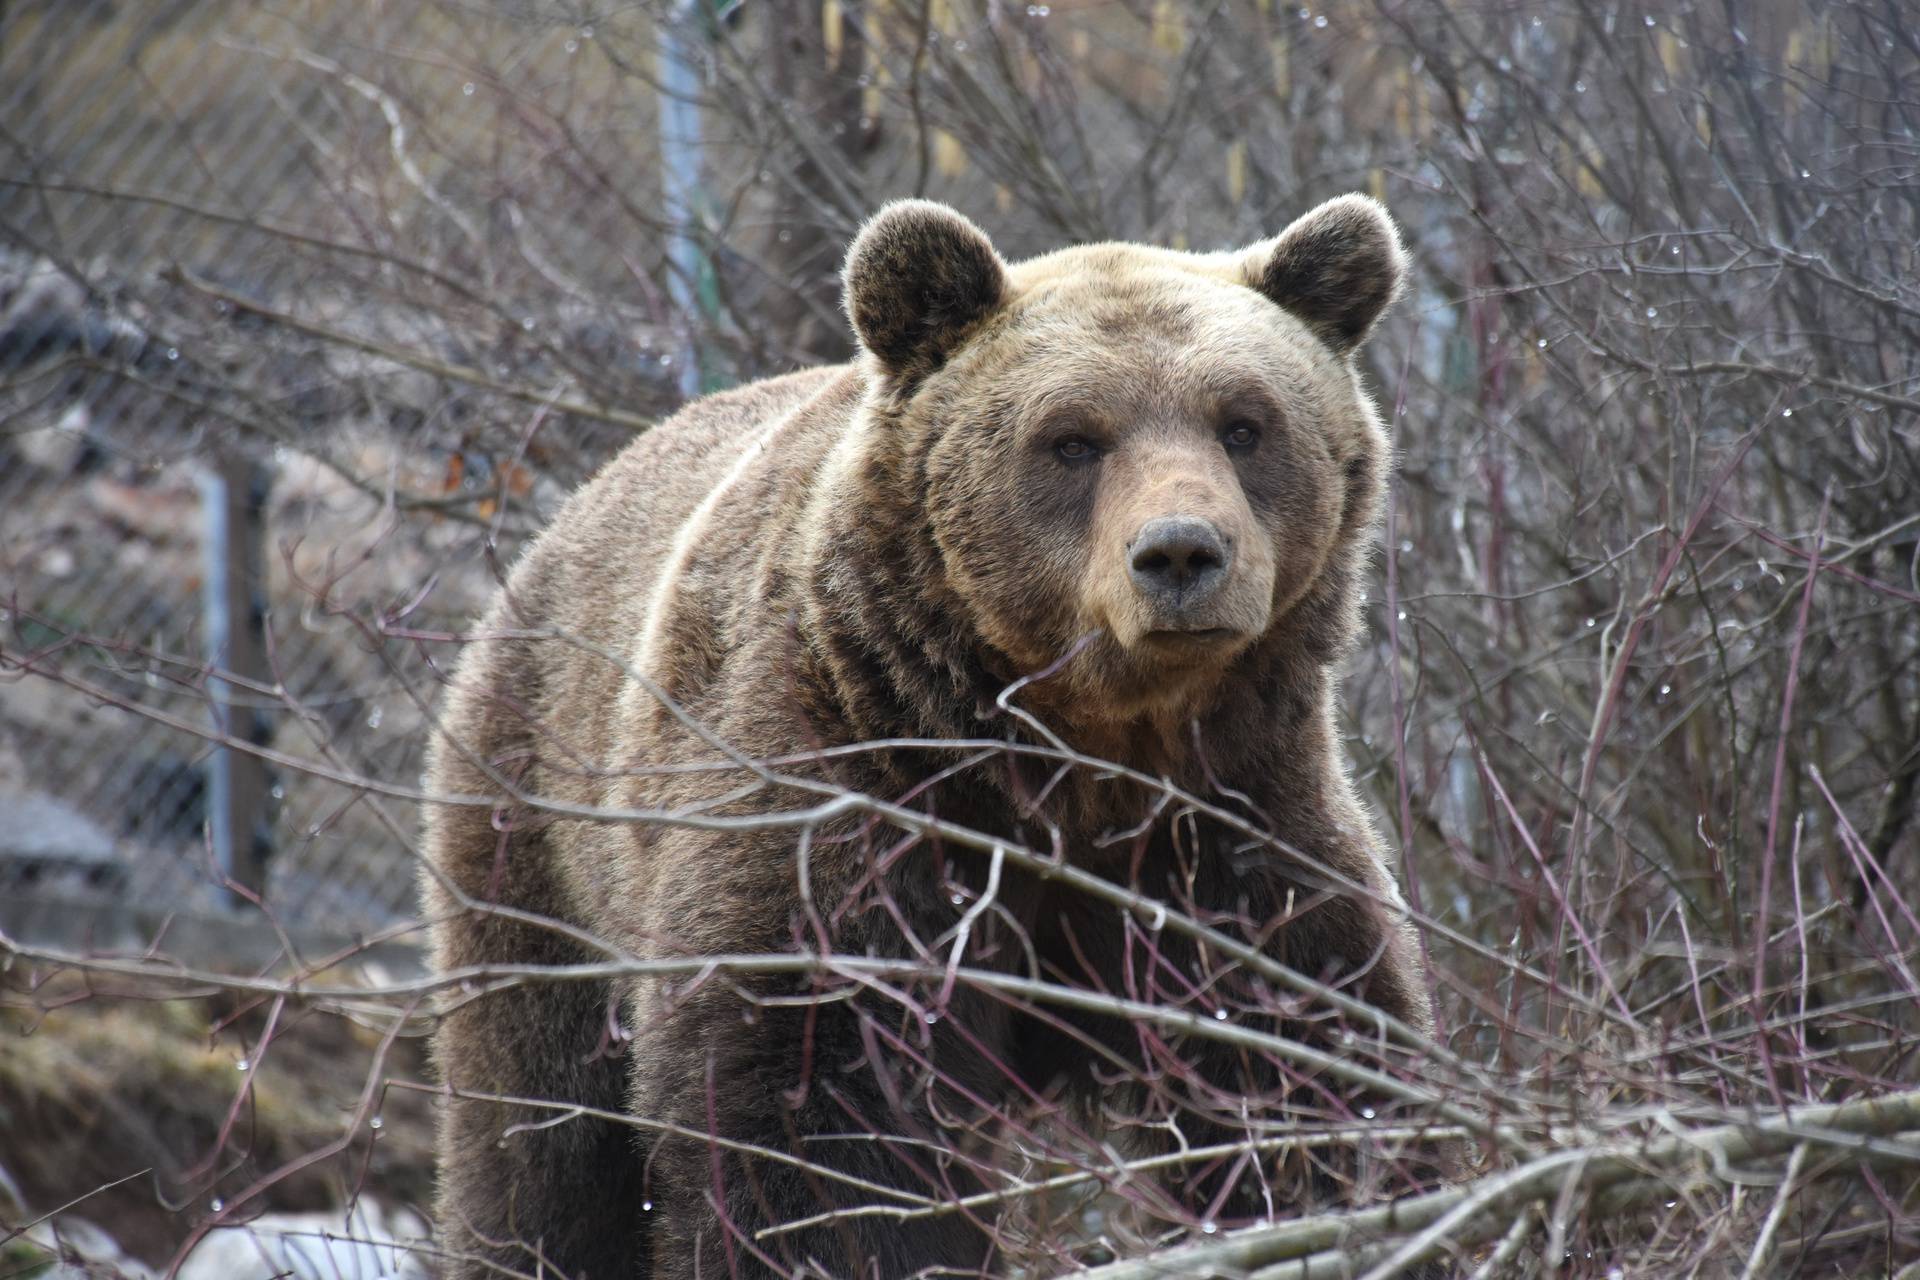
(1178, 565)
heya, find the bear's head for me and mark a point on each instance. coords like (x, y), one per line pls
(1150, 460)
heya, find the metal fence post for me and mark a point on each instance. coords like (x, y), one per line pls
(680, 89)
(234, 499)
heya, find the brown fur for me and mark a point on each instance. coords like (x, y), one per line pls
(874, 552)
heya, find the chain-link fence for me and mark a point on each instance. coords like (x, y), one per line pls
(191, 489)
(147, 548)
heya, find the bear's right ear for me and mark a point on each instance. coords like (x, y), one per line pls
(918, 276)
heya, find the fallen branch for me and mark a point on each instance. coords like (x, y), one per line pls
(1339, 1244)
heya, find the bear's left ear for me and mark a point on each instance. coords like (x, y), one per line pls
(1338, 268)
(918, 276)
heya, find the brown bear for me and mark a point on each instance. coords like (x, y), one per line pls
(1114, 502)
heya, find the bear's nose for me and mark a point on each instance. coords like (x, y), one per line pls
(1178, 561)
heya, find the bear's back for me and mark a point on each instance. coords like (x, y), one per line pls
(615, 538)
(640, 571)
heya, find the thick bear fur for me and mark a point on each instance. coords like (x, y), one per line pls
(873, 553)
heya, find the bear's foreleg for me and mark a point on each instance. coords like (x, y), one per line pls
(783, 1133)
(529, 1189)
(1356, 947)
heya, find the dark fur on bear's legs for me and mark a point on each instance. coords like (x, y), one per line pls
(1221, 1095)
(1347, 943)
(704, 1069)
(552, 1199)
(549, 1199)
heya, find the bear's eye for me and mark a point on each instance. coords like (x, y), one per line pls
(1240, 435)
(1074, 449)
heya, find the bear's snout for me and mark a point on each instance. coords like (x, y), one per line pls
(1178, 563)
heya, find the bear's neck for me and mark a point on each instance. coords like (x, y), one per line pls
(884, 635)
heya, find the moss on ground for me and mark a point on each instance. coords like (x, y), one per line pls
(119, 1098)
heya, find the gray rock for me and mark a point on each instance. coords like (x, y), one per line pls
(41, 828)
(370, 1244)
